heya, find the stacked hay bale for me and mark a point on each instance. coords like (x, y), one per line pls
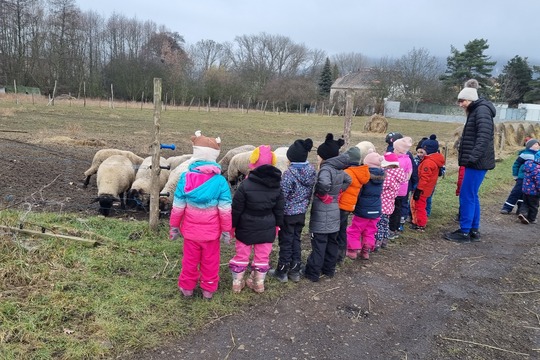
(376, 124)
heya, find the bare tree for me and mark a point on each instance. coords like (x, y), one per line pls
(350, 62)
(417, 76)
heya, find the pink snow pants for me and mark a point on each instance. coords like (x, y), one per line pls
(200, 261)
(361, 233)
(261, 256)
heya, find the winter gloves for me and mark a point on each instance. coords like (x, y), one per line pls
(416, 194)
(174, 233)
(326, 199)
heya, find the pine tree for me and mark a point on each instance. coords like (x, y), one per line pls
(468, 64)
(326, 80)
(514, 81)
(533, 95)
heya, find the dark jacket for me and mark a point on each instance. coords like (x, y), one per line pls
(517, 168)
(477, 149)
(257, 206)
(369, 204)
(331, 180)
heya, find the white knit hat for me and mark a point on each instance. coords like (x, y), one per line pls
(469, 92)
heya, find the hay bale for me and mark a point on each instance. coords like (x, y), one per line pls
(529, 131)
(376, 124)
(520, 134)
(537, 131)
(457, 132)
(510, 135)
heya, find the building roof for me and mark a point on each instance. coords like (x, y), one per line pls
(362, 79)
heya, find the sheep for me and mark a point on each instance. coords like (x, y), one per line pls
(103, 154)
(165, 201)
(365, 148)
(174, 161)
(282, 162)
(114, 177)
(238, 167)
(139, 194)
(226, 159)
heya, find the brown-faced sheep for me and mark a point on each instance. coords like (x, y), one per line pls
(114, 178)
(139, 194)
(103, 154)
(174, 161)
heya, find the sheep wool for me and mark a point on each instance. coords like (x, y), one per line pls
(114, 178)
(103, 154)
(225, 160)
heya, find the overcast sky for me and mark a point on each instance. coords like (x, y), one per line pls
(374, 28)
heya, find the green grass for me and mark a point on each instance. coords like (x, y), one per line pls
(63, 300)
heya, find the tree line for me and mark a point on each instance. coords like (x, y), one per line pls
(48, 41)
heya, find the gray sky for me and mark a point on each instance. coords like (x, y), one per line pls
(374, 28)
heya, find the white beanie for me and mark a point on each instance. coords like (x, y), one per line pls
(469, 92)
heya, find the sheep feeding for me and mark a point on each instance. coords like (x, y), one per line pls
(114, 178)
(139, 194)
(102, 155)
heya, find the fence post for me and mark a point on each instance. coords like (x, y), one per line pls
(154, 191)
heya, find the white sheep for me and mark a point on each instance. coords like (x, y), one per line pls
(165, 201)
(226, 159)
(282, 162)
(114, 178)
(174, 161)
(238, 167)
(103, 154)
(365, 148)
(139, 194)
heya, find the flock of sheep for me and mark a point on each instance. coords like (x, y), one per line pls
(125, 177)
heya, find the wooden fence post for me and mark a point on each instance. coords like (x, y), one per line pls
(154, 191)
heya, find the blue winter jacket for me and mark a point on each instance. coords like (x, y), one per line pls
(369, 203)
(517, 168)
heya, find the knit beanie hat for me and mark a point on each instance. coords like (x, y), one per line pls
(298, 151)
(431, 145)
(262, 155)
(392, 137)
(373, 160)
(469, 92)
(390, 159)
(365, 148)
(354, 155)
(330, 147)
(403, 145)
(419, 146)
(205, 148)
(529, 144)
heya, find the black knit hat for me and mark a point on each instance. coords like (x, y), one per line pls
(330, 147)
(419, 146)
(298, 151)
(431, 145)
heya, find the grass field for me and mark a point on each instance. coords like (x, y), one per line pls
(63, 300)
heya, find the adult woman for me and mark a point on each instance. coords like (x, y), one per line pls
(477, 155)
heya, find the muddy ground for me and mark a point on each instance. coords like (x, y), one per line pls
(419, 299)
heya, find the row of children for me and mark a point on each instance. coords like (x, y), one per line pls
(268, 203)
(526, 191)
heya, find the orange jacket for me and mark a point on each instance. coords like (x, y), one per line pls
(360, 176)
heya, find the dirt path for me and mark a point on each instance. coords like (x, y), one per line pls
(416, 300)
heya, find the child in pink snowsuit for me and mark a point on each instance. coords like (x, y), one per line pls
(201, 212)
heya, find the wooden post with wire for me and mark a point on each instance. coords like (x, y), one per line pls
(348, 118)
(154, 190)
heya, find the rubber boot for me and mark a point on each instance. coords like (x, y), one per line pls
(280, 273)
(364, 253)
(256, 281)
(238, 281)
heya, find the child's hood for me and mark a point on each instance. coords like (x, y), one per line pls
(376, 175)
(267, 175)
(437, 158)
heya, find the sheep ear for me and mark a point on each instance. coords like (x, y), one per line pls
(116, 199)
(95, 200)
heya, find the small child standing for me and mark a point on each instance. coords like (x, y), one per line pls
(201, 211)
(428, 174)
(324, 220)
(366, 214)
(393, 177)
(401, 149)
(531, 147)
(347, 201)
(531, 190)
(257, 209)
(297, 186)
